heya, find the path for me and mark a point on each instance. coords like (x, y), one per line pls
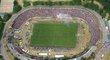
(97, 3)
(4, 53)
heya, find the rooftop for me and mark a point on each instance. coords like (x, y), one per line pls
(6, 6)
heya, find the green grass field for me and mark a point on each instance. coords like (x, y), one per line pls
(54, 35)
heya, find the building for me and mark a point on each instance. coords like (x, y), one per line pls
(6, 6)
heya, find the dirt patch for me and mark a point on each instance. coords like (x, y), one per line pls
(20, 2)
(107, 56)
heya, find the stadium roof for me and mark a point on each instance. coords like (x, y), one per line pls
(6, 6)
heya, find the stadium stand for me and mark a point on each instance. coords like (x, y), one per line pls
(73, 12)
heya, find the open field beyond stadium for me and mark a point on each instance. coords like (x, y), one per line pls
(54, 35)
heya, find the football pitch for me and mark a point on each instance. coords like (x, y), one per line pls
(54, 35)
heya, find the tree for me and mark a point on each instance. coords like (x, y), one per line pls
(49, 3)
(65, 58)
(106, 4)
(77, 2)
(6, 17)
(93, 55)
(16, 7)
(26, 3)
(1, 18)
(1, 57)
(36, 3)
(1, 28)
(82, 58)
(16, 58)
(92, 6)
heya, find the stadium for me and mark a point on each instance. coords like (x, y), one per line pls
(54, 31)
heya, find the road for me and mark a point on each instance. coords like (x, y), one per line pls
(103, 50)
(106, 42)
(3, 51)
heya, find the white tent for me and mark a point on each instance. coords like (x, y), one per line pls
(59, 56)
(43, 54)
